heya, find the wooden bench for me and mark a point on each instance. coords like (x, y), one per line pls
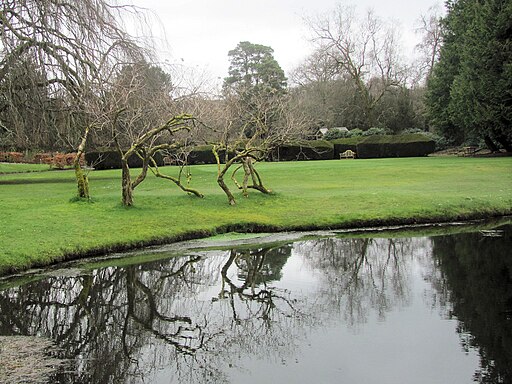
(348, 154)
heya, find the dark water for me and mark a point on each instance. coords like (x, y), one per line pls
(332, 310)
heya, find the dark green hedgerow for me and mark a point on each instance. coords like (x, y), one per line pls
(384, 146)
(307, 150)
(111, 159)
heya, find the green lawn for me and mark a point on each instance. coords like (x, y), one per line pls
(39, 223)
(21, 168)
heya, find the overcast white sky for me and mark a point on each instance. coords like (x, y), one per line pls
(201, 32)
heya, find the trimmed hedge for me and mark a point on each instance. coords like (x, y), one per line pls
(309, 150)
(202, 154)
(111, 159)
(406, 145)
(341, 145)
(365, 147)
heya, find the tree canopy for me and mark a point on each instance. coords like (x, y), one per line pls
(252, 66)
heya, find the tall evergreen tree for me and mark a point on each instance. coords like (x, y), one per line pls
(257, 82)
(470, 93)
(253, 67)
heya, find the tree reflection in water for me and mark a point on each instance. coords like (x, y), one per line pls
(362, 275)
(191, 319)
(124, 324)
(474, 274)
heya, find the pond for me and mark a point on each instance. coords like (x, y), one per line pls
(366, 308)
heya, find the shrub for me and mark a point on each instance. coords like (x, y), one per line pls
(62, 160)
(413, 130)
(11, 157)
(334, 133)
(42, 158)
(376, 131)
(441, 142)
(355, 132)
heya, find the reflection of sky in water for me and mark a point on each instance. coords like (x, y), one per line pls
(412, 344)
(297, 276)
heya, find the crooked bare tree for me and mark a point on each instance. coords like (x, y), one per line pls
(238, 144)
(146, 116)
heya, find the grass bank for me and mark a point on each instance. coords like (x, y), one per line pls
(40, 225)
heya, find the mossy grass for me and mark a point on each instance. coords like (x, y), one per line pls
(40, 225)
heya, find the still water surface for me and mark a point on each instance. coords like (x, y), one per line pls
(329, 310)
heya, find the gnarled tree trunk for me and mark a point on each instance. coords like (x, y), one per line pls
(249, 172)
(222, 184)
(221, 172)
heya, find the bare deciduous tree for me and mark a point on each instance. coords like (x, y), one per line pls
(271, 121)
(67, 41)
(146, 117)
(429, 48)
(365, 49)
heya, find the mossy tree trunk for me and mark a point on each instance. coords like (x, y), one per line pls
(256, 179)
(221, 172)
(249, 173)
(81, 177)
(224, 187)
(246, 158)
(126, 183)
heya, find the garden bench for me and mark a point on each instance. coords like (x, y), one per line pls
(348, 154)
